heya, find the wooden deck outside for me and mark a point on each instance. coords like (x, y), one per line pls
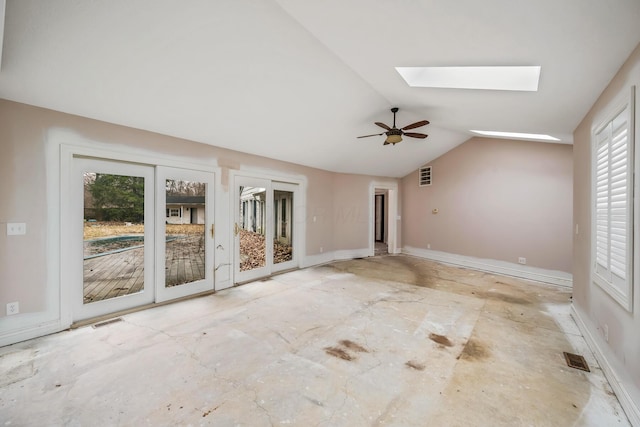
(122, 273)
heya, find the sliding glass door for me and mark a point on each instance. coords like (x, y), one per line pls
(113, 225)
(140, 234)
(264, 227)
(185, 232)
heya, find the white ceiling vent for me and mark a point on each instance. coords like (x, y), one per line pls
(424, 175)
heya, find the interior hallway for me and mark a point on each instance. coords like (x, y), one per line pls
(351, 343)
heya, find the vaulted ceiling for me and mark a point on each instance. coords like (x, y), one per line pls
(300, 80)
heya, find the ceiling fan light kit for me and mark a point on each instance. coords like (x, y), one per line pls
(394, 135)
(393, 139)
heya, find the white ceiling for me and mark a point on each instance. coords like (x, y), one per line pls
(300, 80)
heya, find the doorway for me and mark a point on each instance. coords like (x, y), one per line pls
(140, 234)
(383, 218)
(264, 228)
(379, 218)
(380, 229)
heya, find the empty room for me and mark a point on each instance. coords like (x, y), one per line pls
(332, 213)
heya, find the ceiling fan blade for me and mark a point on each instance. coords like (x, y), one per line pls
(375, 134)
(416, 135)
(382, 125)
(416, 124)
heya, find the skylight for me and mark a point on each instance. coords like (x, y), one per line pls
(489, 78)
(536, 136)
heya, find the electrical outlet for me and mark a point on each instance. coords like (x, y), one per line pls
(428, 245)
(16, 228)
(605, 330)
(321, 249)
(522, 260)
(13, 308)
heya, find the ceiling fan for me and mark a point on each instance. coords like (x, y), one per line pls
(394, 135)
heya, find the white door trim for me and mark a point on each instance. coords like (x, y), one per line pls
(391, 221)
(62, 148)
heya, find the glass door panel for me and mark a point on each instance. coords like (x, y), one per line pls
(113, 236)
(185, 233)
(283, 230)
(252, 228)
(253, 218)
(115, 211)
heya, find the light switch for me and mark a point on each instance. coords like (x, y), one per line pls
(16, 228)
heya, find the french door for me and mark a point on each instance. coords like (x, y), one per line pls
(140, 234)
(264, 228)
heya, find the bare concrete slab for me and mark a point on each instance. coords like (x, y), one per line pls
(390, 340)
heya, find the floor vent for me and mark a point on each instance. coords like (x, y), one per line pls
(576, 361)
(107, 322)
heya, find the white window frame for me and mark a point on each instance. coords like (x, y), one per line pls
(613, 183)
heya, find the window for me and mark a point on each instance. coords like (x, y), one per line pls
(173, 212)
(424, 176)
(613, 203)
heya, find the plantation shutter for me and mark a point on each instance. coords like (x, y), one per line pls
(613, 218)
(602, 203)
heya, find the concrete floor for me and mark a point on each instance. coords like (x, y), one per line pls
(353, 343)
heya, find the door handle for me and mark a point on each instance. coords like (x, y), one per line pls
(236, 229)
(213, 231)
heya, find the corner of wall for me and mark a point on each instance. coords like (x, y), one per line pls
(624, 390)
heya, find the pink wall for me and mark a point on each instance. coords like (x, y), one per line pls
(497, 199)
(23, 270)
(595, 307)
(351, 212)
(339, 202)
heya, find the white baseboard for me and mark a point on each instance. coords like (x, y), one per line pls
(325, 257)
(553, 277)
(38, 330)
(311, 260)
(630, 407)
(351, 254)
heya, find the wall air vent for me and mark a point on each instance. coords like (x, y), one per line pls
(424, 175)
